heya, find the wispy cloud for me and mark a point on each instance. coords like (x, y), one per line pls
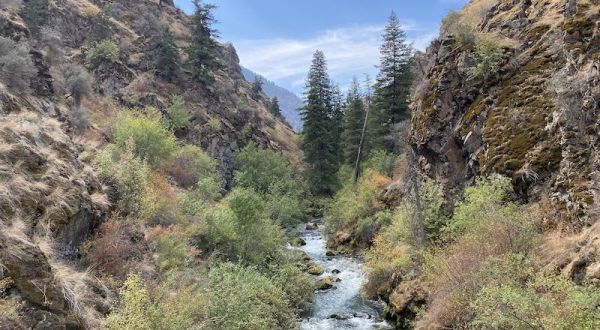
(349, 52)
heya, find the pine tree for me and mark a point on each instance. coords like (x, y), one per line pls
(257, 87)
(354, 117)
(274, 107)
(202, 44)
(337, 118)
(392, 87)
(320, 152)
(167, 57)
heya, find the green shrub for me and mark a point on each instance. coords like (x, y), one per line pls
(16, 66)
(297, 285)
(172, 253)
(192, 165)
(35, 13)
(207, 190)
(151, 141)
(483, 202)
(357, 203)
(129, 174)
(514, 296)
(137, 311)
(463, 33)
(105, 51)
(75, 80)
(241, 298)
(382, 161)
(177, 117)
(181, 306)
(258, 168)
(259, 240)
(487, 61)
(285, 202)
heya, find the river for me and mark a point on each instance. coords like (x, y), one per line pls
(344, 300)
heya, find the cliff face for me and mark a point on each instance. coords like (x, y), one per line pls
(535, 115)
(50, 198)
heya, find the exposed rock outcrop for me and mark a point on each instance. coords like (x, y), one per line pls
(535, 119)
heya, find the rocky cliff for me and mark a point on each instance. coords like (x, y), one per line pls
(533, 115)
(50, 198)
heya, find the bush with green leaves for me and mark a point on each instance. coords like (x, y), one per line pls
(127, 172)
(191, 165)
(151, 141)
(16, 66)
(483, 202)
(515, 296)
(297, 285)
(75, 80)
(175, 306)
(104, 52)
(172, 253)
(35, 13)
(382, 161)
(258, 168)
(238, 229)
(268, 173)
(242, 298)
(177, 117)
(355, 206)
(137, 311)
(463, 33)
(487, 61)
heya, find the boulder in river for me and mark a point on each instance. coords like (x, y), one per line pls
(312, 226)
(298, 241)
(335, 271)
(324, 283)
(315, 269)
(330, 253)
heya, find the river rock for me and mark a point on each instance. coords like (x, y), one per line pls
(298, 241)
(338, 317)
(324, 283)
(330, 254)
(312, 226)
(335, 271)
(315, 269)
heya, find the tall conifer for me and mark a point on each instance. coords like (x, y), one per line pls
(320, 153)
(202, 43)
(354, 116)
(392, 87)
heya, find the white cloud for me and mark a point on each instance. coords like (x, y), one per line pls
(349, 52)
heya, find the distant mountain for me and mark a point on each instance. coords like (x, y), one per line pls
(288, 101)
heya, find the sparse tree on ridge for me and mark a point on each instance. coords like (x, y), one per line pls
(167, 61)
(201, 50)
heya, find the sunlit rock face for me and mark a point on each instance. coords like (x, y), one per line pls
(533, 118)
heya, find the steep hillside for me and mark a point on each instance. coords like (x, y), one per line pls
(531, 113)
(289, 102)
(51, 198)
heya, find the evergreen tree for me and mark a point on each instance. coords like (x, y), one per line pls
(167, 59)
(320, 153)
(392, 87)
(337, 117)
(202, 44)
(354, 117)
(274, 107)
(257, 87)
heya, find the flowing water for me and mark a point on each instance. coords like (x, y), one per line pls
(343, 301)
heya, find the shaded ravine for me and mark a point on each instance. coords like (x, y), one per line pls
(343, 301)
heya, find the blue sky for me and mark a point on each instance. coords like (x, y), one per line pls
(276, 38)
